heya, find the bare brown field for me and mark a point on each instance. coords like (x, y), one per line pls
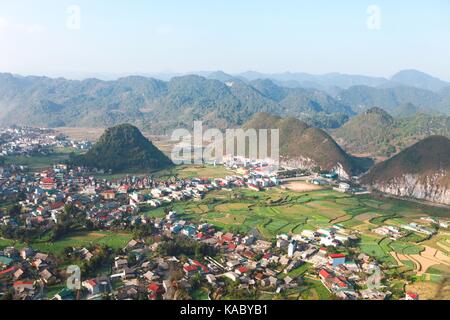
(366, 217)
(428, 290)
(89, 134)
(395, 255)
(301, 186)
(426, 259)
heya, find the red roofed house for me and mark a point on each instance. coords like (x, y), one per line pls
(324, 274)
(340, 284)
(336, 259)
(57, 205)
(92, 286)
(411, 296)
(200, 235)
(228, 237)
(154, 288)
(249, 254)
(7, 271)
(20, 286)
(241, 270)
(267, 256)
(203, 267)
(124, 189)
(48, 184)
(191, 270)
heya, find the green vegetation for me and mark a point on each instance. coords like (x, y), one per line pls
(425, 158)
(155, 105)
(123, 148)
(41, 162)
(278, 211)
(299, 140)
(384, 136)
(113, 240)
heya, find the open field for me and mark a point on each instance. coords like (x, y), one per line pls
(431, 290)
(203, 171)
(301, 186)
(41, 162)
(78, 239)
(89, 134)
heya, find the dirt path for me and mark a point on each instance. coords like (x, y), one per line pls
(395, 256)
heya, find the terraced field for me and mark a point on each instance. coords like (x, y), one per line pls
(278, 211)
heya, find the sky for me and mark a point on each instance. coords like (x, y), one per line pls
(84, 37)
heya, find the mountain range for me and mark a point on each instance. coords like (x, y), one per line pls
(218, 99)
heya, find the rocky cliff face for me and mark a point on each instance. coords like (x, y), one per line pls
(421, 171)
(431, 188)
(307, 163)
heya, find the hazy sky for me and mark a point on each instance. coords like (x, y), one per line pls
(137, 36)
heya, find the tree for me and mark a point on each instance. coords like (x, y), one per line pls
(15, 210)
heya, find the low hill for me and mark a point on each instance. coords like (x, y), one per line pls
(421, 171)
(304, 146)
(123, 149)
(377, 133)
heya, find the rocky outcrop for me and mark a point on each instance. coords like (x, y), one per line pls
(421, 171)
(307, 163)
(431, 188)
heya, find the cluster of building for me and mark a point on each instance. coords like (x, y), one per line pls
(246, 260)
(392, 232)
(30, 141)
(26, 272)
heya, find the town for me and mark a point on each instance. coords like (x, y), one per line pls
(167, 257)
(27, 141)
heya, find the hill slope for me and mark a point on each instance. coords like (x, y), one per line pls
(421, 171)
(376, 133)
(123, 149)
(306, 147)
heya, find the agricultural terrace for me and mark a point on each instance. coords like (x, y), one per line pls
(276, 211)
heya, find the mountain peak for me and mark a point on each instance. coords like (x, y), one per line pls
(421, 171)
(419, 79)
(123, 147)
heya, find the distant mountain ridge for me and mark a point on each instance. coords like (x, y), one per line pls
(218, 99)
(418, 79)
(138, 100)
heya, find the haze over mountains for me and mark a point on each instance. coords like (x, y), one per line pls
(220, 100)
